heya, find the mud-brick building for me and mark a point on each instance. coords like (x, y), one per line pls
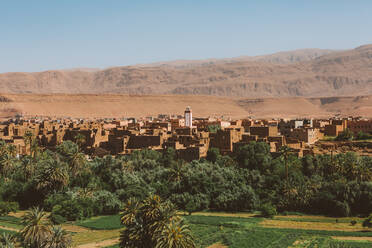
(224, 139)
(264, 131)
(335, 127)
(357, 126)
(307, 135)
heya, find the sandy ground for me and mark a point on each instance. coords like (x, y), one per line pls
(353, 238)
(218, 245)
(100, 244)
(93, 106)
(9, 228)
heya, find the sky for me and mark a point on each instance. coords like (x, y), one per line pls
(42, 35)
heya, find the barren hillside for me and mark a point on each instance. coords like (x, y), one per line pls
(85, 106)
(334, 74)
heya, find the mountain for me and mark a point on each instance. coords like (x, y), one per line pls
(338, 73)
(300, 55)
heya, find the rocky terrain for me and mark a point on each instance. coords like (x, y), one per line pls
(303, 73)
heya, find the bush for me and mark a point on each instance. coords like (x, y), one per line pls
(268, 210)
(106, 203)
(363, 136)
(368, 222)
(341, 209)
(345, 135)
(7, 207)
(76, 209)
(57, 219)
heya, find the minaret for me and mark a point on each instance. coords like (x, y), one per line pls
(188, 117)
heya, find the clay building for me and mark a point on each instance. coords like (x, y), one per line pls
(264, 131)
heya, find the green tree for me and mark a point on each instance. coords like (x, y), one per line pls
(58, 238)
(7, 240)
(36, 228)
(52, 175)
(174, 235)
(7, 164)
(80, 140)
(153, 223)
(73, 157)
(254, 156)
(368, 222)
(28, 137)
(213, 154)
(345, 135)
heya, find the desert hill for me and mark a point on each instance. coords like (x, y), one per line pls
(86, 106)
(343, 73)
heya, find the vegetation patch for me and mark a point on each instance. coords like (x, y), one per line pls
(109, 222)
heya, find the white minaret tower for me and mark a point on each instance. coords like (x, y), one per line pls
(188, 117)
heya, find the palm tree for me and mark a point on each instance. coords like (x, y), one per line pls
(77, 163)
(7, 240)
(11, 150)
(153, 223)
(52, 175)
(130, 211)
(175, 235)
(58, 238)
(80, 140)
(6, 164)
(28, 167)
(28, 138)
(72, 155)
(34, 148)
(36, 228)
(285, 152)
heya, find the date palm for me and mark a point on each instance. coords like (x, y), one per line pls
(72, 155)
(285, 152)
(7, 240)
(130, 211)
(58, 238)
(153, 223)
(52, 175)
(7, 163)
(11, 150)
(80, 140)
(36, 228)
(175, 235)
(28, 136)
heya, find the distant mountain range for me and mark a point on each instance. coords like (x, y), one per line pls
(300, 73)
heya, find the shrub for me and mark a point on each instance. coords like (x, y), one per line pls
(341, 209)
(106, 202)
(345, 135)
(57, 219)
(268, 210)
(7, 207)
(363, 136)
(368, 222)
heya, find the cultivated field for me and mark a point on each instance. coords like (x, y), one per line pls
(233, 230)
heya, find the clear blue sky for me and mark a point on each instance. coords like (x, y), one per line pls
(39, 35)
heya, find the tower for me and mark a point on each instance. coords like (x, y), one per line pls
(188, 117)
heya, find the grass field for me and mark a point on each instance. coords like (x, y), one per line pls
(109, 222)
(233, 230)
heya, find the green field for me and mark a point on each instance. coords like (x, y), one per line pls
(230, 231)
(109, 222)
